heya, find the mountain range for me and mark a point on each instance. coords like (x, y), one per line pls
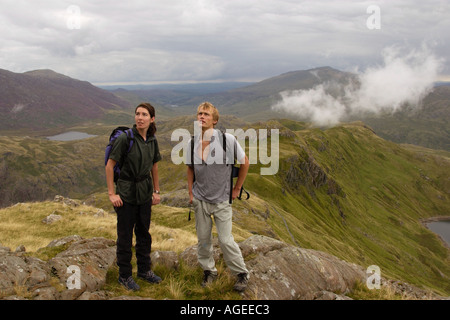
(40, 100)
(43, 98)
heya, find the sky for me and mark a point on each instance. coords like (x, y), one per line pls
(157, 41)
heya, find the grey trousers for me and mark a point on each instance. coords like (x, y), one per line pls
(203, 223)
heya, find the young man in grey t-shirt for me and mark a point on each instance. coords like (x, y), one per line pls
(209, 193)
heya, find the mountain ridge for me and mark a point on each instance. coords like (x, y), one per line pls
(41, 98)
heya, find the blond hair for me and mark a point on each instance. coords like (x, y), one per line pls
(209, 107)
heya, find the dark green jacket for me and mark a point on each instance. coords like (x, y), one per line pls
(137, 166)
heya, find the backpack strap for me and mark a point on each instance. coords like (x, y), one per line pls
(192, 156)
(130, 139)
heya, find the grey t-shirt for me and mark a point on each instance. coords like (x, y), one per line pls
(212, 175)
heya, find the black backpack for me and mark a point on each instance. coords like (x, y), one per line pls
(234, 169)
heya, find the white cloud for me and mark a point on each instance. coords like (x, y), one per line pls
(403, 80)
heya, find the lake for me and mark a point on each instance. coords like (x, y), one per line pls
(442, 228)
(70, 136)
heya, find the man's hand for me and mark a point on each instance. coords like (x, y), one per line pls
(235, 193)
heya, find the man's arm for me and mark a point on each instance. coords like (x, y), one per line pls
(243, 170)
(190, 178)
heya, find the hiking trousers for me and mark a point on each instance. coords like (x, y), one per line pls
(133, 218)
(203, 223)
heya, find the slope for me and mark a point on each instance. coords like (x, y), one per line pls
(348, 192)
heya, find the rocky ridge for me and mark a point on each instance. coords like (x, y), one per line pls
(278, 271)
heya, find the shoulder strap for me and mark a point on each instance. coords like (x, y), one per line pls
(192, 150)
(130, 138)
(224, 146)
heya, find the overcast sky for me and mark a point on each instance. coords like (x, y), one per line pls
(202, 40)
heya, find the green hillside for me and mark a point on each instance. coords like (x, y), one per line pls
(348, 192)
(344, 191)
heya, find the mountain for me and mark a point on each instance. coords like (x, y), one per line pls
(43, 98)
(253, 102)
(427, 126)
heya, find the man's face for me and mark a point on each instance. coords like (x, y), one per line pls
(205, 118)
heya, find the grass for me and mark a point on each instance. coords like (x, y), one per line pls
(22, 224)
(181, 284)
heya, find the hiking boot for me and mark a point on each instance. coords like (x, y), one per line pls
(150, 277)
(129, 283)
(242, 282)
(208, 278)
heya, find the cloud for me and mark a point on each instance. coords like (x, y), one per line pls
(403, 80)
(253, 39)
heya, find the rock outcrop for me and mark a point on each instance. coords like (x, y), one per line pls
(278, 271)
(35, 279)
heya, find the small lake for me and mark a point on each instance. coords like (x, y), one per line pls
(442, 228)
(70, 136)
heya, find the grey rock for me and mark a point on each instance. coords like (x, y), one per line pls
(93, 257)
(168, 259)
(52, 218)
(283, 272)
(63, 241)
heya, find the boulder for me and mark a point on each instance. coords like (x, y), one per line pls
(91, 259)
(168, 259)
(19, 273)
(279, 271)
(52, 218)
(283, 272)
(30, 277)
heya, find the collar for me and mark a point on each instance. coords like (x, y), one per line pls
(148, 138)
(214, 136)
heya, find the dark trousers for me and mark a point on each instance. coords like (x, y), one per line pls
(137, 218)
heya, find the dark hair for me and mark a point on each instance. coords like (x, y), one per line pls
(151, 111)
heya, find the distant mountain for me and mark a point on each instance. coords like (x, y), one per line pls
(250, 102)
(428, 126)
(253, 102)
(44, 98)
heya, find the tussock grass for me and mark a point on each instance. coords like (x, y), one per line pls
(22, 224)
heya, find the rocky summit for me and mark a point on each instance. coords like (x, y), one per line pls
(278, 271)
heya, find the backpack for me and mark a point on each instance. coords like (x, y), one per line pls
(112, 138)
(234, 169)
